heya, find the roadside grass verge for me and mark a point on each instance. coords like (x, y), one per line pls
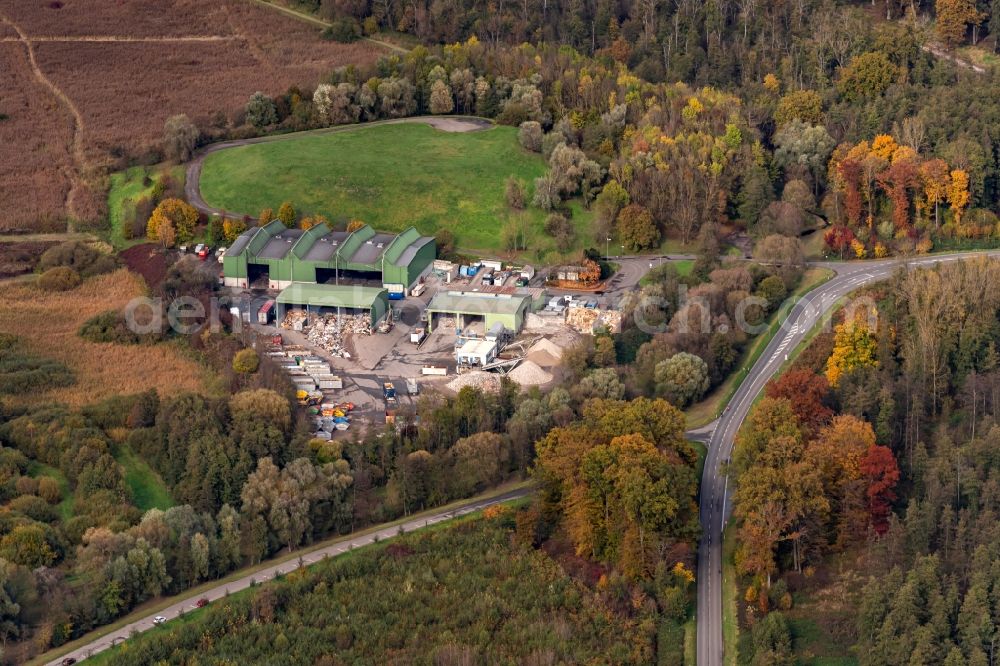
(691, 642)
(708, 410)
(160, 603)
(148, 489)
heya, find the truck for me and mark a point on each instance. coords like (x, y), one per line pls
(417, 335)
(264, 314)
(388, 390)
(397, 292)
(411, 386)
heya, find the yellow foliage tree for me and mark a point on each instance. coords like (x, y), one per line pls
(884, 146)
(855, 345)
(181, 216)
(233, 228)
(958, 193)
(266, 217)
(354, 225)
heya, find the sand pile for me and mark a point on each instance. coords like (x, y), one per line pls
(528, 373)
(484, 381)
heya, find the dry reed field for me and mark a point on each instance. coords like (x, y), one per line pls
(124, 67)
(47, 323)
(34, 147)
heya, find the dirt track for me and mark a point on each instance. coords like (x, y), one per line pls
(192, 182)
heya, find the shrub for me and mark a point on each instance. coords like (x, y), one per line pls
(246, 361)
(344, 30)
(60, 278)
(82, 258)
(21, 372)
(111, 326)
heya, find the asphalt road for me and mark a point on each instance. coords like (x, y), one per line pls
(716, 500)
(189, 601)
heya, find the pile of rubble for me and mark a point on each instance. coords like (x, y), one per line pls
(327, 331)
(484, 381)
(529, 373)
(294, 320)
(587, 320)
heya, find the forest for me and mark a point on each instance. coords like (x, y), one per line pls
(878, 449)
(408, 601)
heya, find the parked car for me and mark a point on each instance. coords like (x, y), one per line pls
(198, 248)
(204, 252)
(201, 603)
(68, 661)
(159, 619)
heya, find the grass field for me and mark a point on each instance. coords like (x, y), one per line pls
(390, 176)
(47, 323)
(148, 489)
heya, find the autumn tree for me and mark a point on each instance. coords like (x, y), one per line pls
(287, 214)
(953, 18)
(958, 194)
(266, 217)
(878, 467)
(804, 105)
(807, 393)
(867, 75)
(172, 215)
(855, 345)
(636, 229)
(441, 101)
(935, 179)
(232, 228)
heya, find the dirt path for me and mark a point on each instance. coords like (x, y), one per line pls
(115, 38)
(309, 18)
(192, 184)
(939, 52)
(73, 173)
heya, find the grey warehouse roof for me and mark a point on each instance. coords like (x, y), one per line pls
(280, 244)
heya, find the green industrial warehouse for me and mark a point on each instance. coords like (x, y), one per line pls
(319, 298)
(319, 256)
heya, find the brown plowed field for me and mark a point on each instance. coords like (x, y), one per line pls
(34, 147)
(124, 90)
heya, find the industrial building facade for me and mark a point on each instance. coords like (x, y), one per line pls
(494, 308)
(288, 256)
(321, 298)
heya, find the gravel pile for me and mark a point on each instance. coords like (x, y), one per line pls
(528, 373)
(547, 346)
(484, 381)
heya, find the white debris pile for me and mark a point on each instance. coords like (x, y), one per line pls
(328, 331)
(587, 320)
(294, 320)
(528, 373)
(484, 381)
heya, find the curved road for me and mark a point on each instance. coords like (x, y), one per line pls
(715, 502)
(189, 601)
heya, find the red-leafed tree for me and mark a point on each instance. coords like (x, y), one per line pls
(838, 239)
(850, 173)
(807, 392)
(879, 468)
(897, 181)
